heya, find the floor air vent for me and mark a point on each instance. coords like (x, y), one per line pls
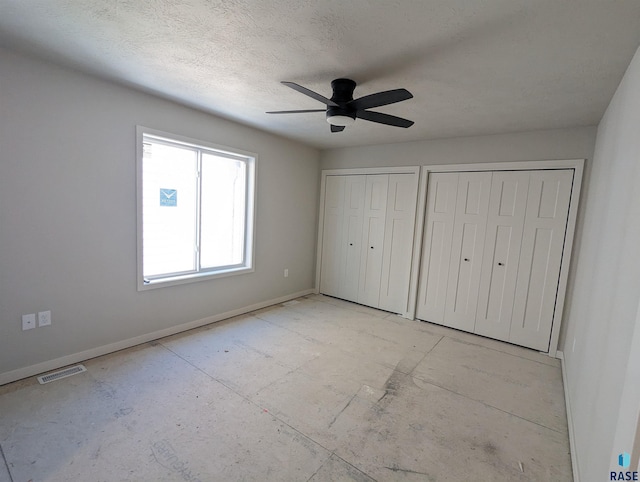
(67, 372)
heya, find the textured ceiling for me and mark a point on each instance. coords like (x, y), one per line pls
(474, 66)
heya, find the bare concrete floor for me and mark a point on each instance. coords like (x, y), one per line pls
(313, 390)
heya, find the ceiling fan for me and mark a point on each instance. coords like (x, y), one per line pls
(342, 109)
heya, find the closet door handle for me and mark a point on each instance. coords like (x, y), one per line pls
(500, 264)
(466, 259)
(371, 247)
(350, 244)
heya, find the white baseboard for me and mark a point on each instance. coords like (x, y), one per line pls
(56, 363)
(567, 403)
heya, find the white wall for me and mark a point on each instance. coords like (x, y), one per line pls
(68, 214)
(602, 316)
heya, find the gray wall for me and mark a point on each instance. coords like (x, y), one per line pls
(68, 213)
(603, 370)
(574, 143)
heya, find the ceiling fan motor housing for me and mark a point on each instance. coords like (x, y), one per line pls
(342, 94)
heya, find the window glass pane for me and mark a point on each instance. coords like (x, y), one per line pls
(223, 204)
(169, 207)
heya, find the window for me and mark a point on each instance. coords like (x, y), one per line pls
(195, 210)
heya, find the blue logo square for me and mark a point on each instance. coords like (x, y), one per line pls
(624, 460)
(168, 197)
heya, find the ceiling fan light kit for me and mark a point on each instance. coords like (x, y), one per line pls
(342, 110)
(338, 118)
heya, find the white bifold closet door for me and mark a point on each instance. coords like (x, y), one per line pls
(353, 215)
(331, 271)
(398, 242)
(495, 241)
(375, 211)
(436, 256)
(501, 253)
(469, 226)
(367, 238)
(541, 257)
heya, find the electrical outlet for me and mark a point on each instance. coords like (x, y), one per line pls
(286, 272)
(44, 318)
(28, 321)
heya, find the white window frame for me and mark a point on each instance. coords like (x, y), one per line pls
(249, 158)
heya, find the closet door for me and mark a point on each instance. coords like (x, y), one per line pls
(332, 243)
(469, 226)
(541, 256)
(375, 206)
(442, 192)
(505, 223)
(352, 232)
(398, 242)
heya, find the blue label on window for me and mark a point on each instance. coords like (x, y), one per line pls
(168, 197)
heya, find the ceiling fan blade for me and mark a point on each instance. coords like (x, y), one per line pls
(336, 128)
(381, 98)
(310, 93)
(295, 111)
(381, 118)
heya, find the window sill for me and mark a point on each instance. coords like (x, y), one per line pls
(191, 278)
